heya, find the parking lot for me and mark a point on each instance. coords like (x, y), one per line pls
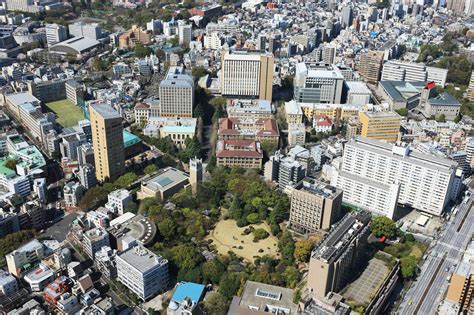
(60, 229)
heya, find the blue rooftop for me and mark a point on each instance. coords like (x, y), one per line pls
(188, 289)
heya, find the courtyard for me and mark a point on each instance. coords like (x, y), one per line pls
(67, 114)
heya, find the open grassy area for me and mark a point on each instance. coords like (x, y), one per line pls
(227, 236)
(67, 113)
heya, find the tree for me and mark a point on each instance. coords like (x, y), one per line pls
(291, 275)
(212, 271)
(303, 250)
(167, 228)
(141, 51)
(408, 265)
(126, 180)
(131, 207)
(216, 304)
(286, 245)
(253, 218)
(145, 204)
(12, 241)
(230, 284)
(161, 54)
(383, 226)
(150, 169)
(93, 198)
(198, 72)
(10, 163)
(402, 112)
(260, 234)
(186, 256)
(441, 118)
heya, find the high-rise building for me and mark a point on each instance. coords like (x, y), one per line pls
(185, 33)
(86, 176)
(411, 71)
(457, 6)
(176, 94)
(107, 140)
(285, 170)
(333, 262)
(469, 7)
(29, 254)
(470, 152)
(380, 125)
(470, 89)
(30, 6)
(370, 65)
(315, 83)
(346, 16)
(55, 33)
(87, 30)
(329, 54)
(195, 173)
(39, 187)
(142, 272)
(247, 74)
(314, 206)
(375, 176)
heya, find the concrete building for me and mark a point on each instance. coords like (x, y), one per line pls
(284, 170)
(358, 93)
(185, 33)
(442, 104)
(73, 193)
(186, 298)
(380, 125)
(135, 35)
(118, 200)
(93, 240)
(176, 94)
(315, 83)
(293, 112)
(142, 272)
(375, 176)
(40, 188)
(195, 173)
(314, 206)
(239, 153)
(334, 260)
(74, 92)
(8, 223)
(249, 129)
(86, 176)
(55, 33)
(88, 30)
(370, 65)
(29, 6)
(261, 298)
(107, 140)
(24, 257)
(8, 283)
(36, 214)
(39, 278)
(105, 262)
(247, 74)
(164, 184)
(250, 108)
(410, 71)
(470, 89)
(48, 91)
(296, 134)
(178, 129)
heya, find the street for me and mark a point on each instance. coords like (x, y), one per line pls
(427, 292)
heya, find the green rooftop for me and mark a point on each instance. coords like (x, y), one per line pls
(5, 170)
(130, 139)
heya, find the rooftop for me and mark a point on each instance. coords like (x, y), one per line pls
(165, 179)
(130, 139)
(106, 111)
(142, 259)
(191, 290)
(20, 98)
(318, 188)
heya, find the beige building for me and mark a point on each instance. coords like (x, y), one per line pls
(370, 65)
(296, 134)
(164, 184)
(107, 139)
(293, 112)
(470, 89)
(352, 127)
(247, 74)
(314, 206)
(133, 36)
(176, 94)
(239, 153)
(333, 262)
(380, 125)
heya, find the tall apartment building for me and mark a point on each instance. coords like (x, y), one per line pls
(176, 94)
(247, 74)
(370, 65)
(107, 140)
(285, 170)
(24, 257)
(469, 148)
(55, 33)
(413, 72)
(457, 6)
(74, 92)
(30, 6)
(375, 176)
(380, 125)
(333, 262)
(86, 176)
(185, 33)
(48, 91)
(88, 30)
(346, 16)
(93, 240)
(470, 89)
(318, 84)
(329, 54)
(314, 206)
(142, 272)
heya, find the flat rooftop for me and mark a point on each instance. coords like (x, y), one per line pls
(194, 291)
(142, 259)
(165, 179)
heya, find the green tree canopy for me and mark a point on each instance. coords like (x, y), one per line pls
(10, 163)
(150, 169)
(408, 265)
(383, 226)
(216, 304)
(212, 271)
(303, 250)
(186, 256)
(141, 51)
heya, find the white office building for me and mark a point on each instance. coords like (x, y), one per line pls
(118, 200)
(318, 83)
(142, 272)
(93, 240)
(55, 33)
(30, 6)
(87, 30)
(176, 94)
(185, 32)
(411, 72)
(375, 176)
(8, 284)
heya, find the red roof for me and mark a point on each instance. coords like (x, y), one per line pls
(238, 148)
(142, 106)
(430, 85)
(322, 120)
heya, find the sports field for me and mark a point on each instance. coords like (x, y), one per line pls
(67, 113)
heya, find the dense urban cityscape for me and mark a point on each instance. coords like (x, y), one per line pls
(236, 157)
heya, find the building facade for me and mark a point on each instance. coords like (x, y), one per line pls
(318, 84)
(380, 125)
